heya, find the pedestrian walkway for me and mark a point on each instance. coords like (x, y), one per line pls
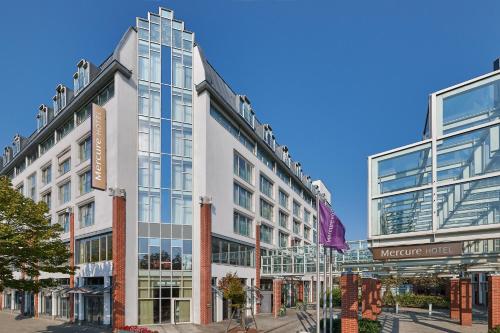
(419, 321)
(15, 323)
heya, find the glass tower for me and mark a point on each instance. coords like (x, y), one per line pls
(165, 202)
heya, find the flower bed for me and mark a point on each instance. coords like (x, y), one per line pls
(136, 329)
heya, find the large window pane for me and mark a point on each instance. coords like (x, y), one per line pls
(467, 155)
(402, 170)
(402, 213)
(469, 204)
(469, 106)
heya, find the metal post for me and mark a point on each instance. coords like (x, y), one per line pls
(325, 288)
(430, 309)
(331, 288)
(318, 285)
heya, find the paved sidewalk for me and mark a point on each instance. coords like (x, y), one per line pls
(14, 323)
(419, 321)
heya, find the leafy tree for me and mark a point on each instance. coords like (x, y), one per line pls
(29, 244)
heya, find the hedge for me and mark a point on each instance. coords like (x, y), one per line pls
(364, 326)
(416, 301)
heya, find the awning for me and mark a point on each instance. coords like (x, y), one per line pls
(90, 290)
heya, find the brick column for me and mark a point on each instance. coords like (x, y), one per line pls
(119, 251)
(454, 290)
(349, 312)
(300, 291)
(205, 262)
(493, 301)
(366, 298)
(35, 310)
(277, 283)
(377, 299)
(72, 264)
(257, 262)
(1, 301)
(465, 302)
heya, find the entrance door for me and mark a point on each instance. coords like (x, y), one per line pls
(94, 309)
(166, 310)
(182, 311)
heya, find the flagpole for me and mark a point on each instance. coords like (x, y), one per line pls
(318, 284)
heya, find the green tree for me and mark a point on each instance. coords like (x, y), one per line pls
(29, 244)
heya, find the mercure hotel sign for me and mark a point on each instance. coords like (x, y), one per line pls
(98, 147)
(417, 251)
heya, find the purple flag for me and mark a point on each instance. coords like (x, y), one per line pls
(331, 229)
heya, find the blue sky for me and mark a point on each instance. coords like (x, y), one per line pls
(338, 80)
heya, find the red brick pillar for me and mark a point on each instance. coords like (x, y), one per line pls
(72, 264)
(300, 291)
(493, 301)
(277, 283)
(465, 302)
(35, 310)
(1, 301)
(257, 262)
(377, 298)
(205, 262)
(119, 251)
(366, 298)
(454, 290)
(349, 294)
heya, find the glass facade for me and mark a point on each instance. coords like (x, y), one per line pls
(450, 179)
(165, 202)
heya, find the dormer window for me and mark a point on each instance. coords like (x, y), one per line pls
(269, 137)
(7, 155)
(61, 98)
(286, 156)
(16, 145)
(82, 76)
(298, 170)
(246, 111)
(45, 115)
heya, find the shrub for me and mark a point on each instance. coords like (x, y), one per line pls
(336, 297)
(365, 326)
(369, 326)
(388, 299)
(495, 330)
(422, 301)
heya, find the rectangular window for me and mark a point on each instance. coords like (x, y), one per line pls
(85, 149)
(47, 174)
(65, 193)
(85, 182)
(265, 158)
(307, 233)
(32, 187)
(86, 215)
(65, 129)
(296, 227)
(266, 234)
(283, 239)
(93, 249)
(63, 220)
(307, 216)
(65, 166)
(242, 197)
(242, 225)
(266, 210)
(283, 219)
(266, 186)
(296, 209)
(243, 168)
(47, 198)
(283, 199)
(83, 114)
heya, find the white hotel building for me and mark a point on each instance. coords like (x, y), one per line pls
(183, 152)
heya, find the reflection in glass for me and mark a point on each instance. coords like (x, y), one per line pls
(469, 204)
(402, 213)
(470, 154)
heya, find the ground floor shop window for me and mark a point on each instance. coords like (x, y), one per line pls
(47, 305)
(93, 309)
(63, 310)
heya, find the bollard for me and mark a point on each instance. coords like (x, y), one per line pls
(397, 307)
(430, 309)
